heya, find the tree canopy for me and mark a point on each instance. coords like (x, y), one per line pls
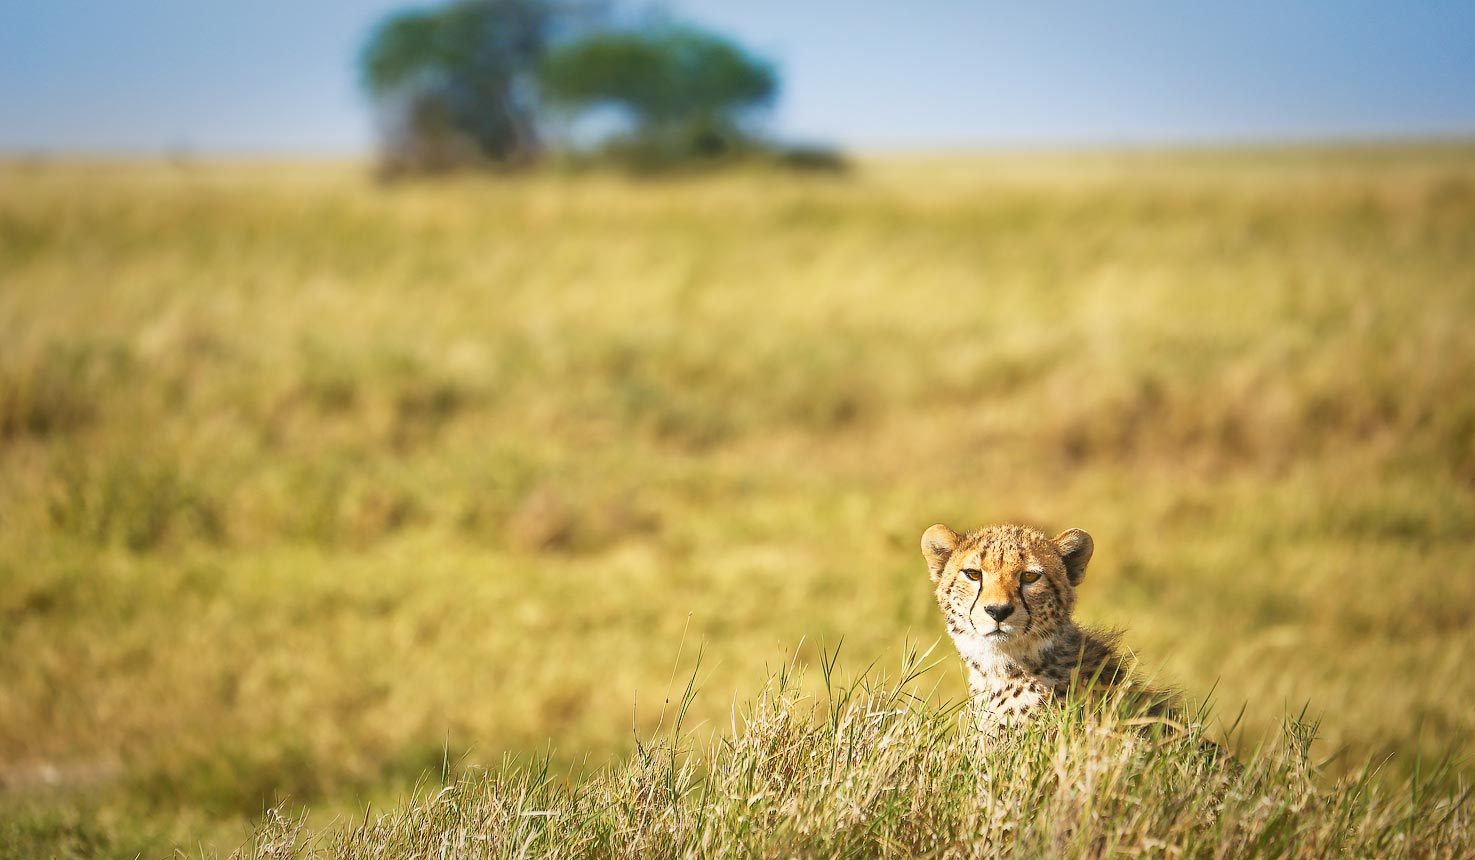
(676, 74)
(459, 75)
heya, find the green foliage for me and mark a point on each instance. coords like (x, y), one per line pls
(686, 90)
(667, 76)
(487, 42)
(458, 70)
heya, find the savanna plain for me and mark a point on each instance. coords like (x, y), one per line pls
(527, 515)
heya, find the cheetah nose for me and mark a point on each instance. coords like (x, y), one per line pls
(999, 611)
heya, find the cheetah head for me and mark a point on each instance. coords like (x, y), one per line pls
(1005, 590)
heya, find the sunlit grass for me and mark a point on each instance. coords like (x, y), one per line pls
(869, 767)
(305, 483)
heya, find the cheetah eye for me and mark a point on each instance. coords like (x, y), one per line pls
(1029, 576)
(972, 574)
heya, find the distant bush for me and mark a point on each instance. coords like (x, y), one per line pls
(821, 159)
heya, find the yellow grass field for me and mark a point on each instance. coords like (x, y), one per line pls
(309, 485)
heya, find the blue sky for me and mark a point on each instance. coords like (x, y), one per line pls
(277, 76)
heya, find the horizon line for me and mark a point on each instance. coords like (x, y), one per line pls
(1125, 144)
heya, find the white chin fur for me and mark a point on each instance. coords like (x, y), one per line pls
(991, 652)
(981, 649)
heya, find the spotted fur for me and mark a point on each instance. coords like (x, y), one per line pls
(1007, 593)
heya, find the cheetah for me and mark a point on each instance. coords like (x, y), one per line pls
(1007, 593)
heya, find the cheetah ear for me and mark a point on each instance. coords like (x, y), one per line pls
(1075, 548)
(938, 544)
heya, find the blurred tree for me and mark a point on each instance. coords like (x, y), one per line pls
(687, 91)
(473, 82)
(454, 85)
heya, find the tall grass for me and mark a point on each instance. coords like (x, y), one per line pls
(870, 768)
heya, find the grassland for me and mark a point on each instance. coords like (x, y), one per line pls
(309, 486)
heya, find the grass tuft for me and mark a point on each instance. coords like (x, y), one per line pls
(874, 768)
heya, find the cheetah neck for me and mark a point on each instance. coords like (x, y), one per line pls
(1043, 662)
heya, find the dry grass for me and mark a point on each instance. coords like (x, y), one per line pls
(874, 770)
(303, 481)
